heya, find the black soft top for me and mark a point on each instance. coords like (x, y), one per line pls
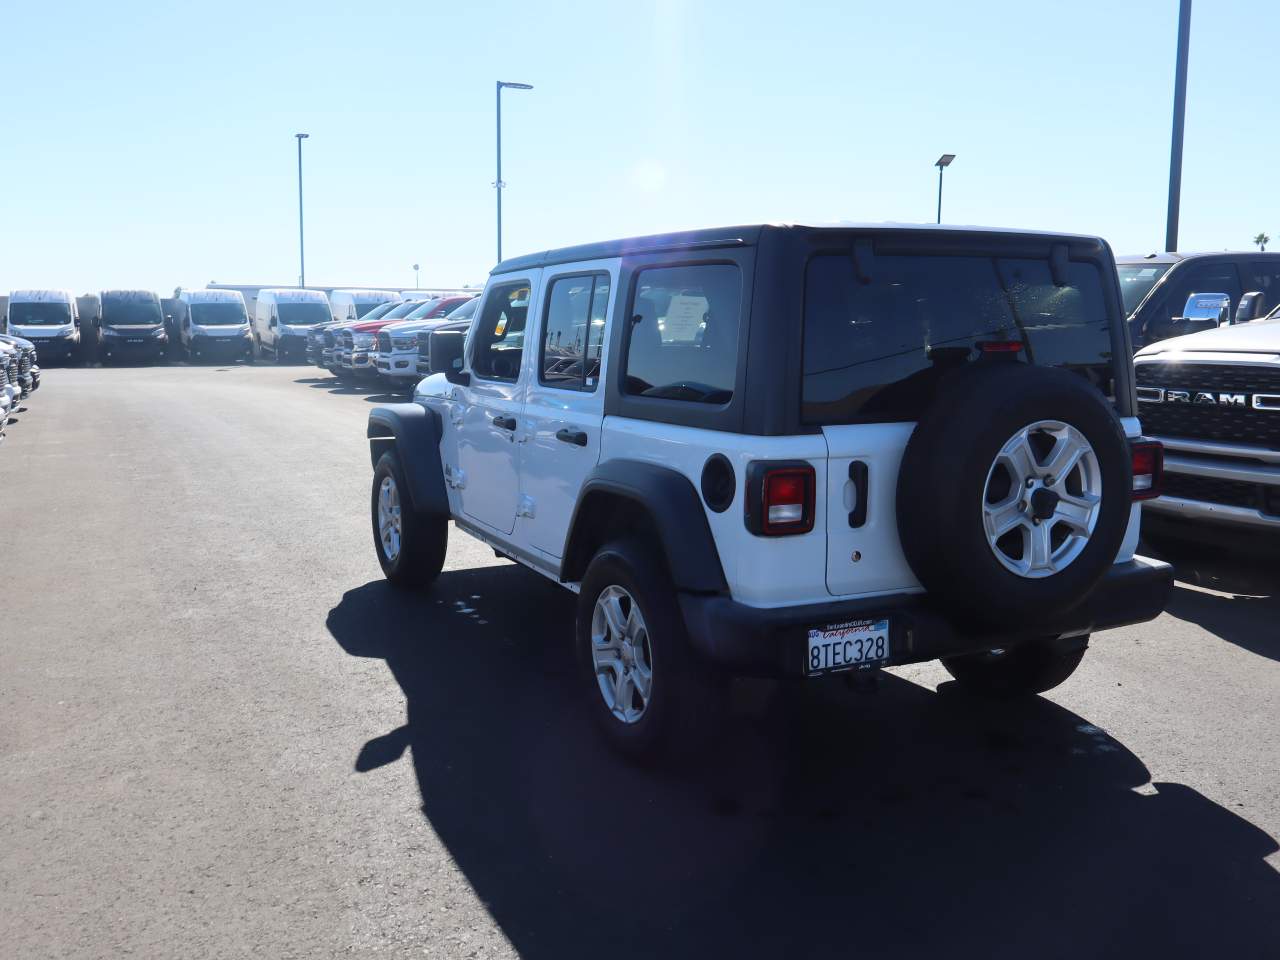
(749, 235)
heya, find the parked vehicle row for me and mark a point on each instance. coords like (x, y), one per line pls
(216, 324)
(19, 376)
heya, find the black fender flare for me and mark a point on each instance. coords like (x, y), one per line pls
(678, 518)
(413, 432)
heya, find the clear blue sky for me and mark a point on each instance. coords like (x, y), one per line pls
(152, 145)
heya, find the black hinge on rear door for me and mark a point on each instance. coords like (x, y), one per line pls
(858, 477)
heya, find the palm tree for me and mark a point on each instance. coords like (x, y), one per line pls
(1262, 240)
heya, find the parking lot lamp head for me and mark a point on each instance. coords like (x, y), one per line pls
(944, 161)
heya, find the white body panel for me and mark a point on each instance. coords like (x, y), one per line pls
(552, 471)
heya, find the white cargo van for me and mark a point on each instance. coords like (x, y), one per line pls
(282, 318)
(214, 325)
(350, 305)
(49, 319)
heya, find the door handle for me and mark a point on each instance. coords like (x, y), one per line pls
(577, 437)
(504, 423)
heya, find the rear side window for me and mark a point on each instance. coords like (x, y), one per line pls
(574, 331)
(684, 333)
(875, 345)
(499, 334)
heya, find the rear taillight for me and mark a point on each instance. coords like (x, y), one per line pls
(1148, 469)
(780, 498)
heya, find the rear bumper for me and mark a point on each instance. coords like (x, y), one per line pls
(771, 642)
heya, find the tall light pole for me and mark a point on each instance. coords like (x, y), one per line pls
(302, 253)
(415, 277)
(498, 183)
(944, 161)
(1179, 122)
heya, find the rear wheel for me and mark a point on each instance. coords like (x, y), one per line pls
(649, 694)
(410, 545)
(1021, 671)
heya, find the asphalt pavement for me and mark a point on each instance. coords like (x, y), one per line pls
(223, 735)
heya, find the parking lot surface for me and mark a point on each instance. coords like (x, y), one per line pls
(222, 734)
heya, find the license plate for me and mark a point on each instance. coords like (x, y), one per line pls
(134, 340)
(852, 645)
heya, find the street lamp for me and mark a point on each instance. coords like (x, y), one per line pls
(302, 254)
(415, 276)
(944, 161)
(498, 184)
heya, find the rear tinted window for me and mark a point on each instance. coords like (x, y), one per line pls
(684, 333)
(875, 345)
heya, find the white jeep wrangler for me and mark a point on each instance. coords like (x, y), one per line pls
(788, 450)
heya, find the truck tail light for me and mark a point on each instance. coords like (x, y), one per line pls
(1148, 469)
(780, 499)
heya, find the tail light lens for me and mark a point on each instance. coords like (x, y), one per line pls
(780, 498)
(1148, 469)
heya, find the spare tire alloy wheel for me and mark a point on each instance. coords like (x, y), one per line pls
(621, 654)
(1041, 499)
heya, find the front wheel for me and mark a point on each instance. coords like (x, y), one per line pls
(1021, 671)
(650, 695)
(410, 545)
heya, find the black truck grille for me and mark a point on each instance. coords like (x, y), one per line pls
(1231, 493)
(1218, 422)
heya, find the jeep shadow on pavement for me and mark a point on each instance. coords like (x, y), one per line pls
(788, 451)
(905, 822)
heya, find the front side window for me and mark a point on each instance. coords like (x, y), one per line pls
(683, 343)
(42, 314)
(498, 346)
(574, 331)
(373, 310)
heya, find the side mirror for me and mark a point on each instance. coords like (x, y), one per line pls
(274, 322)
(1204, 311)
(1251, 307)
(77, 323)
(446, 355)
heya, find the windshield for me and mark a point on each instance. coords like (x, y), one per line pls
(302, 314)
(466, 311)
(40, 314)
(402, 310)
(130, 311)
(372, 311)
(1136, 281)
(217, 314)
(422, 311)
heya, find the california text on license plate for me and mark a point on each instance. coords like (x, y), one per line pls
(851, 645)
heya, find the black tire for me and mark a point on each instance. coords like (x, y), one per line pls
(687, 698)
(423, 539)
(1022, 671)
(943, 480)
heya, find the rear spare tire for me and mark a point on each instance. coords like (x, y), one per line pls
(1014, 493)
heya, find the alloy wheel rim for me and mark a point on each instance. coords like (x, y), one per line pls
(621, 654)
(1041, 499)
(389, 518)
